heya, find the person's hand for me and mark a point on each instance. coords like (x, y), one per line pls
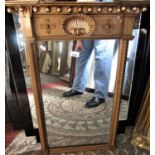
(79, 46)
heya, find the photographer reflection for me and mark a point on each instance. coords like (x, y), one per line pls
(103, 58)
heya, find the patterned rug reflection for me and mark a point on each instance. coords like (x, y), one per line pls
(69, 123)
(28, 146)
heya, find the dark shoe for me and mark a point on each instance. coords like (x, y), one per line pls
(94, 102)
(71, 93)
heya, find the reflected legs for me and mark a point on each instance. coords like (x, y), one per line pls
(103, 58)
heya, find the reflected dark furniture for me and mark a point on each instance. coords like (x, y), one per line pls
(16, 94)
(142, 68)
(141, 73)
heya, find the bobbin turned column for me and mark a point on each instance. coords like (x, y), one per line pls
(122, 54)
(25, 14)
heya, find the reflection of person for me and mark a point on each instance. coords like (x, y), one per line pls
(103, 57)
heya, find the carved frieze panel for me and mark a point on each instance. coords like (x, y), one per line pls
(62, 20)
(104, 26)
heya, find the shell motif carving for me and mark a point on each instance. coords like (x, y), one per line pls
(79, 25)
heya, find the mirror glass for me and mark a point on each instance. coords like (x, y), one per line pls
(81, 116)
(128, 75)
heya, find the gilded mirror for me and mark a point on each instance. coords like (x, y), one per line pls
(46, 25)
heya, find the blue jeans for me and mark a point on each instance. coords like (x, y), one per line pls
(103, 57)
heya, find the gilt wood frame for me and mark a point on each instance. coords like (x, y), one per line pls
(39, 21)
(142, 127)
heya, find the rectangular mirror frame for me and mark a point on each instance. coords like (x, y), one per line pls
(39, 21)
